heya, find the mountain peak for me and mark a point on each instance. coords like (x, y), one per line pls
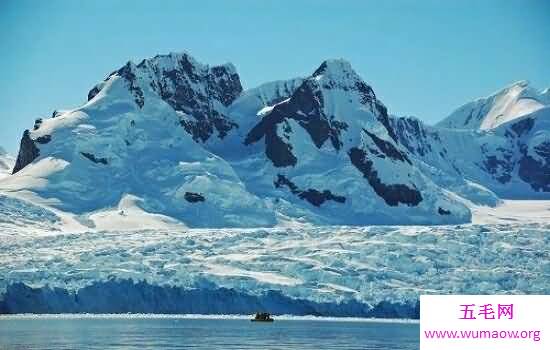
(515, 88)
(178, 60)
(175, 60)
(513, 101)
(333, 65)
(339, 74)
(520, 83)
(335, 69)
(199, 91)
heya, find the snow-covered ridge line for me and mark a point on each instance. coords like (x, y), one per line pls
(181, 140)
(171, 142)
(512, 102)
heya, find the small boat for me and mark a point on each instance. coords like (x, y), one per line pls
(262, 317)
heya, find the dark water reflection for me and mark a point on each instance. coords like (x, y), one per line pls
(174, 333)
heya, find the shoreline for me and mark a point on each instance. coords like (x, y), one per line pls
(139, 316)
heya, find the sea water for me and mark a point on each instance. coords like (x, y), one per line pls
(173, 332)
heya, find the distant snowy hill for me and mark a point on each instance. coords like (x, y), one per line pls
(177, 142)
(514, 101)
(504, 147)
(512, 160)
(6, 163)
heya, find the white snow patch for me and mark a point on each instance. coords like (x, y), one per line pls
(129, 216)
(512, 211)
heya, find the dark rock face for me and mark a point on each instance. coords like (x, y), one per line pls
(353, 84)
(308, 100)
(442, 211)
(37, 124)
(193, 197)
(200, 92)
(94, 159)
(388, 149)
(385, 119)
(27, 152)
(392, 194)
(93, 92)
(412, 134)
(195, 90)
(203, 127)
(284, 181)
(305, 107)
(500, 168)
(224, 85)
(536, 172)
(523, 126)
(313, 196)
(182, 97)
(276, 149)
(317, 198)
(127, 72)
(44, 139)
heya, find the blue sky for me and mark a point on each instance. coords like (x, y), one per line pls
(423, 58)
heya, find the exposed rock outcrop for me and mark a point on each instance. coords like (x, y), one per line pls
(27, 152)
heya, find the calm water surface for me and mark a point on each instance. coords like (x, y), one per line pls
(181, 333)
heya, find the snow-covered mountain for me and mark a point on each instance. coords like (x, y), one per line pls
(137, 136)
(181, 142)
(514, 101)
(6, 163)
(185, 140)
(98, 213)
(512, 159)
(328, 151)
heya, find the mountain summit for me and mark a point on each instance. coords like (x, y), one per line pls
(512, 102)
(179, 141)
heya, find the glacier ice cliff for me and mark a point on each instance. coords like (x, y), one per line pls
(127, 296)
(338, 270)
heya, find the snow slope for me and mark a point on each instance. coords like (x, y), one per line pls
(183, 143)
(6, 163)
(513, 212)
(514, 101)
(329, 142)
(184, 139)
(89, 159)
(511, 160)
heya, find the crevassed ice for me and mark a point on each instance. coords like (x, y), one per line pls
(371, 264)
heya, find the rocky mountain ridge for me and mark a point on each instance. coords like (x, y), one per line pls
(186, 141)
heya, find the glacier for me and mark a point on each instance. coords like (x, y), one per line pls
(331, 271)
